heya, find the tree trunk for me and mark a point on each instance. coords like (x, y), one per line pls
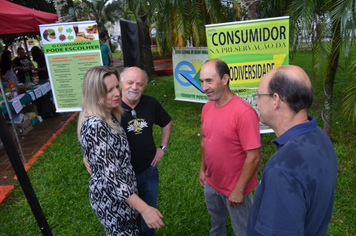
(65, 10)
(146, 58)
(249, 9)
(330, 78)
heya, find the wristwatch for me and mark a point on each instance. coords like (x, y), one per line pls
(164, 148)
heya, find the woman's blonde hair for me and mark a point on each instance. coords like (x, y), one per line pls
(94, 95)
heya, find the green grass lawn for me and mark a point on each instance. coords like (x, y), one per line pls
(60, 180)
(117, 53)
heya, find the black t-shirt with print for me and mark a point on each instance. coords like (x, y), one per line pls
(139, 131)
(23, 62)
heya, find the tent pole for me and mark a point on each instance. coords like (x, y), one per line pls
(23, 179)
(12, 122)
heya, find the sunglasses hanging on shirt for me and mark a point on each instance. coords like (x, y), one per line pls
(133, 113)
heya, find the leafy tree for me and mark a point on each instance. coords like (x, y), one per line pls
(232, 9)
(65, 10)
(102, 11)
(273, 8)
(249, 9)
(41, 5)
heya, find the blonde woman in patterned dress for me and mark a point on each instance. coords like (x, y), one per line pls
(112, 185)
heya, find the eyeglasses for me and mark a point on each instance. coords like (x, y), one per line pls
(133, 113)
(256, 95)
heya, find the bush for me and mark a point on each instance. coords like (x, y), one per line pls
(113, 46)
(157, 56)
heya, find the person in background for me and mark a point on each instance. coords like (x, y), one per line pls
(45, 105)
(295, 195)
(119, 41)
(6, 70)
(23, 65)
(41, 69)
(230, 150)
(106, 56)
(112, 185)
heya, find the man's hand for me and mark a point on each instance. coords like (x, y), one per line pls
(201, 177)
(236, 197)
(86, 163)
(158, 157)
(202, 169)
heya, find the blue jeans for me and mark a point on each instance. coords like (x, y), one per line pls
(218, 207)
(147, 185)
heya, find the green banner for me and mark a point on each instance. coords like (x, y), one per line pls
(70, 50)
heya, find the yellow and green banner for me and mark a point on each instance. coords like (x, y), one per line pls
(70, 50)
(251, 49)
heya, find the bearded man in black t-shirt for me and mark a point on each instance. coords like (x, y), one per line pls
(141, 113)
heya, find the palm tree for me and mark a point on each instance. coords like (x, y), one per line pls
(309, 16)
(176, 22)
(305, 13)
(349, 101)
(180, 21)
(342, 14)
(345, 10)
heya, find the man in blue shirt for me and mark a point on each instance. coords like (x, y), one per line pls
(106, 56)
(295, 195)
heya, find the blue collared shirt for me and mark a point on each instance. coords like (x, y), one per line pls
(295, 131)
(295, 195)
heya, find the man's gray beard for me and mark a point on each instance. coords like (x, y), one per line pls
(133, 99)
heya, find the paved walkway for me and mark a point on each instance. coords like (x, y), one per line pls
(31, 143)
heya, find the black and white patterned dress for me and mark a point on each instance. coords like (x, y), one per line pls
(113, 179)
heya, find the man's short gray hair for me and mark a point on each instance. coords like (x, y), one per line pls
(122, 74)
